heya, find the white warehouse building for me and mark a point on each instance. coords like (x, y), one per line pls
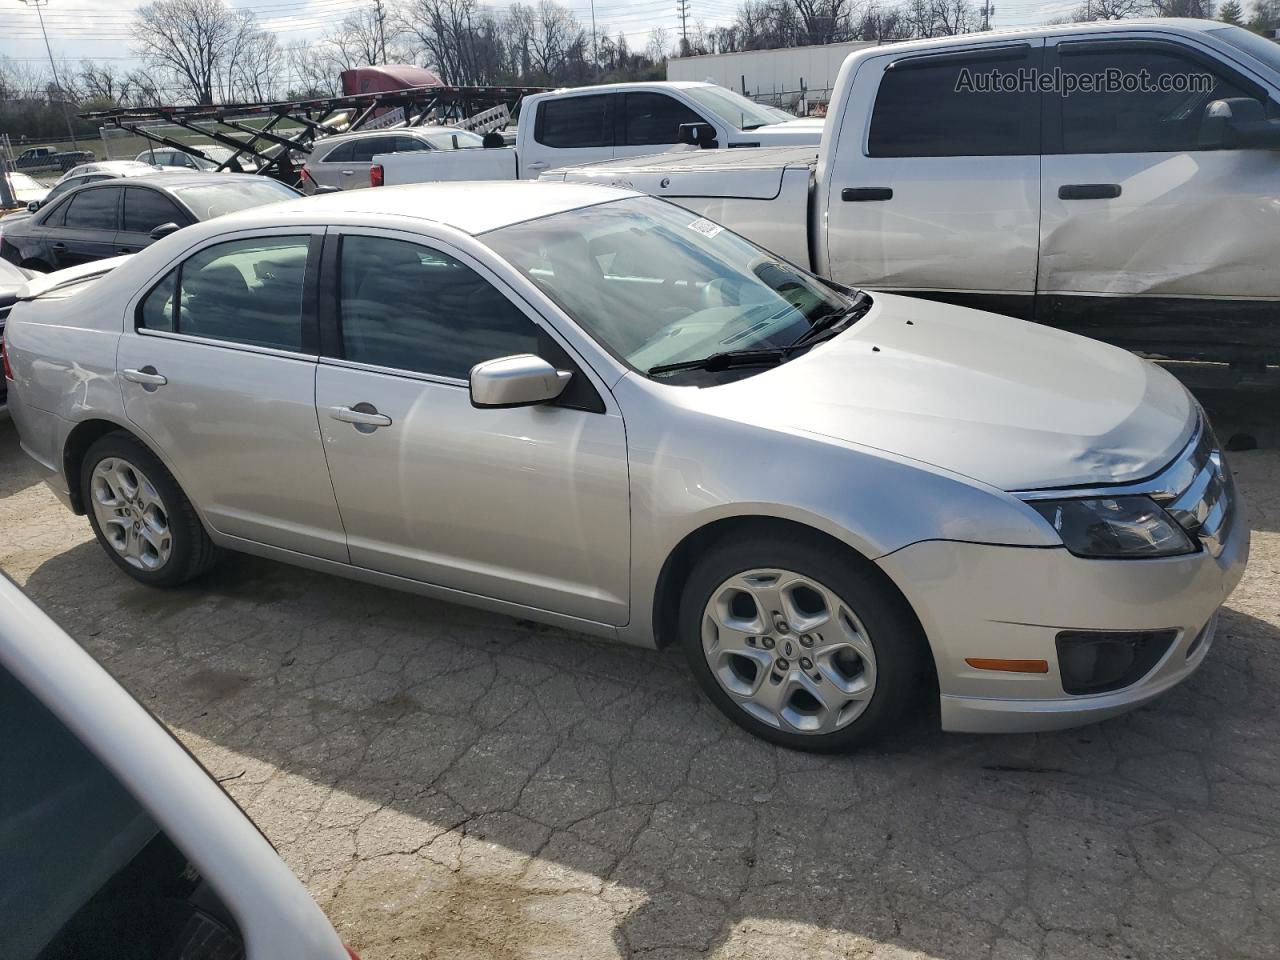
(783, 77)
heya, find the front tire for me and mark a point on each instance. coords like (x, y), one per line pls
(800, 642)
(140, 515)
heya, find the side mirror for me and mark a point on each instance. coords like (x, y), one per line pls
(1238, 123)
(33, 206)
(164, 230)
(519, 381)
(698, 135)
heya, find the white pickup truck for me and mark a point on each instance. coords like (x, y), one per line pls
(591, 124)
(1124, 184)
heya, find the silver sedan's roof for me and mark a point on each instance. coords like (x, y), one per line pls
(472, 207)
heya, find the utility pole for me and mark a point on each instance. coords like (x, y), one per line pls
(682, 7)
(987, 11)
(381, 14)
(54, 67)
(595, 38)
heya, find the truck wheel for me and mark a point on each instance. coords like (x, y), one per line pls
(800, 642)
(140, 515)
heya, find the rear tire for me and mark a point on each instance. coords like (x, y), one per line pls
(140, 515)
(800, 641)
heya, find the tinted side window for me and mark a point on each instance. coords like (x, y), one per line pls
(655, 118)
(412, 308)
(919, 112)
(339, 154)
(409, 144)
(576, 122)
(94, 209)
(246, 291)
(85, 872)
(363, 151)
(1144, 120)
(144, 210)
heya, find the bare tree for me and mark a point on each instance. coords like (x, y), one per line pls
(312, 68)
(191, 40)
(257, 67)
(102, 84)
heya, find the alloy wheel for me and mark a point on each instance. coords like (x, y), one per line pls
(130, 513)
(789, 651)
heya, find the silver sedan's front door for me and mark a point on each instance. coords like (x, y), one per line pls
(526, 505)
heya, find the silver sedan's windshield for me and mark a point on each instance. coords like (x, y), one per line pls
(657, 284)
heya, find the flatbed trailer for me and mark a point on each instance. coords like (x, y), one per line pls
(260, 139)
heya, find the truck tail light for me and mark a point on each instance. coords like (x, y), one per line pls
(306, 177)
(351, 953)
(4, 358)
(375, 175)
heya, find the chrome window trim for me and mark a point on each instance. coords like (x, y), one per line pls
(396, 372)
(229, 344)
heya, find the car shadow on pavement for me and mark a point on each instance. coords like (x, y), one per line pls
(450, 782)
(17, 471)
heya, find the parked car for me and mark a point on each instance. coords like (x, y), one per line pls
(107, 219)
(343, 161)
(12, 280)
(35, 157)
(214, 157)
(592, 124)
(591, 408)
(117, 842)
(170, 157)
(1143, 218)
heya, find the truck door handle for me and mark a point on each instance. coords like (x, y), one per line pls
(537, 164)
(348, 173)
(361, 415)
(147, 376)
(860, 194)
(59, 246)
(1089, 191)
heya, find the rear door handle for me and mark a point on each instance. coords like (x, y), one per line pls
(59, 246)
(537, 164)
(147, 376)
(862, 194)
(1089, 191)
(362, 415)
(348, 173)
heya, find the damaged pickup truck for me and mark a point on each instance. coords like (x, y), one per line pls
(1118, 179)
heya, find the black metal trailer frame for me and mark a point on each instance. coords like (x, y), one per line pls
(272, 153)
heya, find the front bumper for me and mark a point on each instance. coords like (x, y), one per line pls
(985, 601)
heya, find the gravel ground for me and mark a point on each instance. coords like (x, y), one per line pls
(456, 784)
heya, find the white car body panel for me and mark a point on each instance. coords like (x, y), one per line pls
(276, 916)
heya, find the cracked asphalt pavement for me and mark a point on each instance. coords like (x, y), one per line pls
(455, 784)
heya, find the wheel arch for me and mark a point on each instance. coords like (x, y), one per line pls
(82, 436)
(675, 570)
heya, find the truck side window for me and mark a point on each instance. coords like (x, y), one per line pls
(954, 122)
(1141, 120)
(576, 122)
(655, 118)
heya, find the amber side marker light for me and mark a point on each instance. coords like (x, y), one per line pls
(1008, 666)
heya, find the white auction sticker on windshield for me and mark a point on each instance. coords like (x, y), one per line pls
(705, 227)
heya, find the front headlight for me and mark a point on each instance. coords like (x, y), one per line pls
(1115, 527)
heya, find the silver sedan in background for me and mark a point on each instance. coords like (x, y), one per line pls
(598, 410)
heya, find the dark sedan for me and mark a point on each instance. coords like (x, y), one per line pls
(11, 278)
(107, 219)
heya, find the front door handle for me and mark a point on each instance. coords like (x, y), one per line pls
(862, 194)
(1089, 191)
(147, 376)
(364, 415)
(537, 164)
(59, 246)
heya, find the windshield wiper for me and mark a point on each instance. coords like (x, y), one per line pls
(728, 358)
(835, 321)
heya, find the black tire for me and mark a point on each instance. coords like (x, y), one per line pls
(895, 633)
(192, 552)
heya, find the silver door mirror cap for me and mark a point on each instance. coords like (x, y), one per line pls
(162, 231)
(33, 206)
(519, 381)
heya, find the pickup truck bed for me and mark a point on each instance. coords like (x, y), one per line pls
(763, 193)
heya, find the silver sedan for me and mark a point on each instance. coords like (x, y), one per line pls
(595, 409)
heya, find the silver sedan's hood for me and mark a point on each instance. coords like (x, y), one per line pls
(1010, 403)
